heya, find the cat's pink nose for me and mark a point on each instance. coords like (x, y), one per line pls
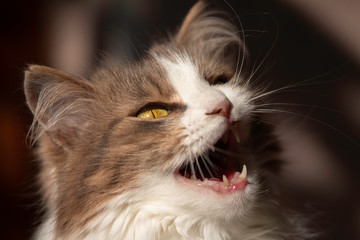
(221, 108)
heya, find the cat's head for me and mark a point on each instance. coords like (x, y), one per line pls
(167, 135)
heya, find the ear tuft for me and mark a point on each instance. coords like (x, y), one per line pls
(59, 102)
(209, 36)
(195, 13)
(207, 29)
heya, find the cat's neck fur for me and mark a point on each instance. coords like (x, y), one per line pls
(140, 220)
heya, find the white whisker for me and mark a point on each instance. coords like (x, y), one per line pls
(242, 37)
(307, 117)
(192, 169)
(209, 161)
(306, 82)
(255, 70)
(200, 170)
(301, 105)
(227, 152)
(207, 167)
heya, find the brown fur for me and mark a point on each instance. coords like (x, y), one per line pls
(92, 148)
(76, 178)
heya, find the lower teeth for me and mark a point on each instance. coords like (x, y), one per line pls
(237, 177)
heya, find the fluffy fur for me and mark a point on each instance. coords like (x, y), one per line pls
(106, 174)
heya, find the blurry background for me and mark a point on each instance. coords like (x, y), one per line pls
(317, 43)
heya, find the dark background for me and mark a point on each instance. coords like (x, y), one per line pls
(326, 143)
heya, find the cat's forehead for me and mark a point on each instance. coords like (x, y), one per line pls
(135, 82)
(155, 79)
(183, 75)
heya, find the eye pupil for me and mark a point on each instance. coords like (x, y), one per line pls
(153, 113)
(158, 113)
(146, 115)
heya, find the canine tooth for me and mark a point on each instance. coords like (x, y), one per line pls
(236, 134)
(226, 181)
(243, 172)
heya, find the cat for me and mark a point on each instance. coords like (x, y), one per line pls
(166, 147)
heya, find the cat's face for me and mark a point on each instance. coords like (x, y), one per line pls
(182, 155)
(165, 135)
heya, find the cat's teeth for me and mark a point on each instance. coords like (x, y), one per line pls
(236, 134)
(193, 177)
(243, 172)
(226, 181)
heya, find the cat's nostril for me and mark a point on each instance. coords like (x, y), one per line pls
(222, 108)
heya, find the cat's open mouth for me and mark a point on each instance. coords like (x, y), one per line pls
(217, 169)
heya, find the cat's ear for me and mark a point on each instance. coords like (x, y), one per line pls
(60, 104)
(208, 33)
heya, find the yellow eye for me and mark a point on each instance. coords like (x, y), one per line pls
(153, 113)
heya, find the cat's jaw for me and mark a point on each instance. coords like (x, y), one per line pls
(234, 181)
(227, 177)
